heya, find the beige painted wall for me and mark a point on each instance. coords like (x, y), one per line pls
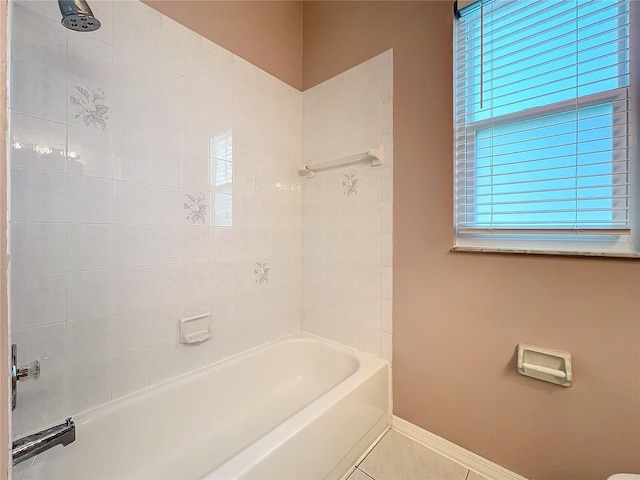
(458, 317)
(266, 33)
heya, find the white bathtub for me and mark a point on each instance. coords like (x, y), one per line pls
(301, 408)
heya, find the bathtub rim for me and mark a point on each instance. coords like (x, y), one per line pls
(364, 359)
(238, 465)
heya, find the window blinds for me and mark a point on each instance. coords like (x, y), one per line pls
(541, 117)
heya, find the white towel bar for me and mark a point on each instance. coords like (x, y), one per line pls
(375, 155)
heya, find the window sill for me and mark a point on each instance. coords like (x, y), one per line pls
(469, 249)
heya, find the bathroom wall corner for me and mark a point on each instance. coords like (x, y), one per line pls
(267, 34)
(347, 245)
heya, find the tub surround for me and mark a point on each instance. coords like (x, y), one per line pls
(176, 193)
(347, 210)
(154, 176)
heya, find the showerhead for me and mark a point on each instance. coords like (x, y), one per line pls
(76, 15)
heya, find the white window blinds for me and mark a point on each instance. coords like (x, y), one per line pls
(542, 125)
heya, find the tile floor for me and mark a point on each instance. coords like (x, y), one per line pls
(397, 457)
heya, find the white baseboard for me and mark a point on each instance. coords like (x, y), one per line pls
(480, 465)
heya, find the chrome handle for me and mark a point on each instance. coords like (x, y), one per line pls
(29, 371)
(25, 372)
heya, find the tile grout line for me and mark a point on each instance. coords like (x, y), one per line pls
(422, 448)
(367, 473)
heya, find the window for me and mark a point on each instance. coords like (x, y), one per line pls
(542, 116)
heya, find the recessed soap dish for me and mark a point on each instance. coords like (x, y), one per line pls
(546, 364)
(195, 329)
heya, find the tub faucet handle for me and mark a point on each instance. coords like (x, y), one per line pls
(25, 372)
(30, 371)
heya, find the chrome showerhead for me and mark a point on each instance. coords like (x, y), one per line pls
(76, 15)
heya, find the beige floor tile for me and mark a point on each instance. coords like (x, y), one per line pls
(358, 475)
(476, 476)
(397, 457)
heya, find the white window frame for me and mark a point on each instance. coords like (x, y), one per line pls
(619, 242)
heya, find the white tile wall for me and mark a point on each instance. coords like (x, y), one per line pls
(136, 203)
(347, 243)
(151, 170)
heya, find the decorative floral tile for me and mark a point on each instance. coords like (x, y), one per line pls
(91, 107)
(350, 184)
(262, 272)
(196, 208)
